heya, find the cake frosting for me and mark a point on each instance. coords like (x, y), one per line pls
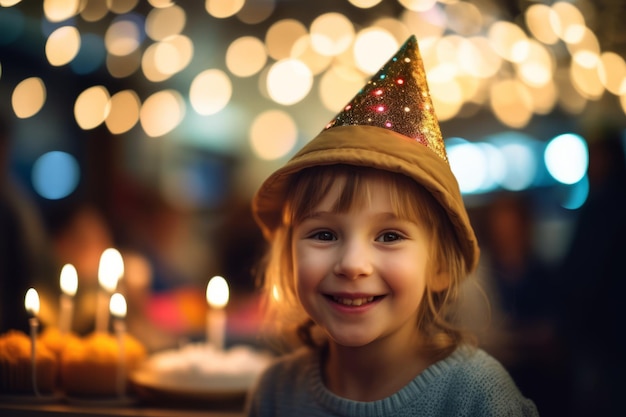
(201, 367)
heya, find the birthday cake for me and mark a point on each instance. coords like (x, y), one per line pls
(200, 367)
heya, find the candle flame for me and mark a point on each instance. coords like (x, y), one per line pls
(217, 293)
(31, 301)
(69, 280)
(111, 269)
(117, 305)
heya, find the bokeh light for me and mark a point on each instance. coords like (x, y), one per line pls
(55, 175)
(567, 158)
(28, 97)
(210, 91)
(273, 134)
(289, 81)
(162, 112)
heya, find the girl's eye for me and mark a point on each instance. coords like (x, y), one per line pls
(323, 235)
(389, 237)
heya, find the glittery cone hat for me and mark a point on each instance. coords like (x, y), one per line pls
(391, 125)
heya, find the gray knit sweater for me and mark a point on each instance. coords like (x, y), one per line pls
(469, 382)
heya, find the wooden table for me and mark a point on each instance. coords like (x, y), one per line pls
(166, 407)
(59, 410)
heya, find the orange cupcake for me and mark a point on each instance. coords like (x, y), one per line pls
(16, 372)
(89, 367)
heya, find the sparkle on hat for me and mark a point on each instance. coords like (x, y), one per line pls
(390, 95)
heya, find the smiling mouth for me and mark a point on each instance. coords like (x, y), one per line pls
(356, 302)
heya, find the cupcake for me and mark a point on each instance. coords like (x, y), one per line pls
(90, 366)
(56, 341)
(16, 372)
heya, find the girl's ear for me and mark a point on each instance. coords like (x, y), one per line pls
(439, 281)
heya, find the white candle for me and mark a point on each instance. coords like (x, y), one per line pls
(31, 302)
(69, 285)
(217, 295)
(117, 306)
(110, 270)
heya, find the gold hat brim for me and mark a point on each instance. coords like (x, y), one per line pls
(375, 147)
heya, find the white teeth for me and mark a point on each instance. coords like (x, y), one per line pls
(353, 301)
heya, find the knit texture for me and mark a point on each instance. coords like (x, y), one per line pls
(467, 383)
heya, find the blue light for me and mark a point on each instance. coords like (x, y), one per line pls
(566, 157)
(55, 175)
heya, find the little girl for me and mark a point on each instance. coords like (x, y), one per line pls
(370, 241)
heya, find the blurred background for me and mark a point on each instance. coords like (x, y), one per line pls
(146, 126)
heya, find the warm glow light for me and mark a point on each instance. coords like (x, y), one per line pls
(430, 24)
(222, 9)
(511, 102)
(281, 37)
(303, 50)
(92, 107)
(337, 86)
(273, 134)
(364, 4)
(62, 45)
(447, 98)
(162, 112)
(584, 75)
(121, 6)
(69, 280)
(372, 48)
(122, 37)
(210, 92)
(570, 21)
(92, 11)
(289, 81)
(537, 18)
(418, 5)
(123, 66)
(508, 40)
(217, 292)
(331, 34)
(60, 10)
(166, 58)
(165, 22)
(537, 69)
(477, 58)
(612, 72)
(111, 269)
(246, 56)
(124, 112)
(31, 301)
(254, 12)
(464, 18)
(28, 97)
(117, 305)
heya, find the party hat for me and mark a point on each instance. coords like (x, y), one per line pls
(389, 125)
(397, 98)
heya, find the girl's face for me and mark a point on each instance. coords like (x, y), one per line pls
(361, 274)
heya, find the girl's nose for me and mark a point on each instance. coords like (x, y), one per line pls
(354, 260)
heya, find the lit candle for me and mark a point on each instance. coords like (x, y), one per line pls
(117, 306)
(110, 270)
(69, 285)
(217, 297)
(31, 302)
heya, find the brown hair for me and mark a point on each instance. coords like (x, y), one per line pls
(288, 321)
